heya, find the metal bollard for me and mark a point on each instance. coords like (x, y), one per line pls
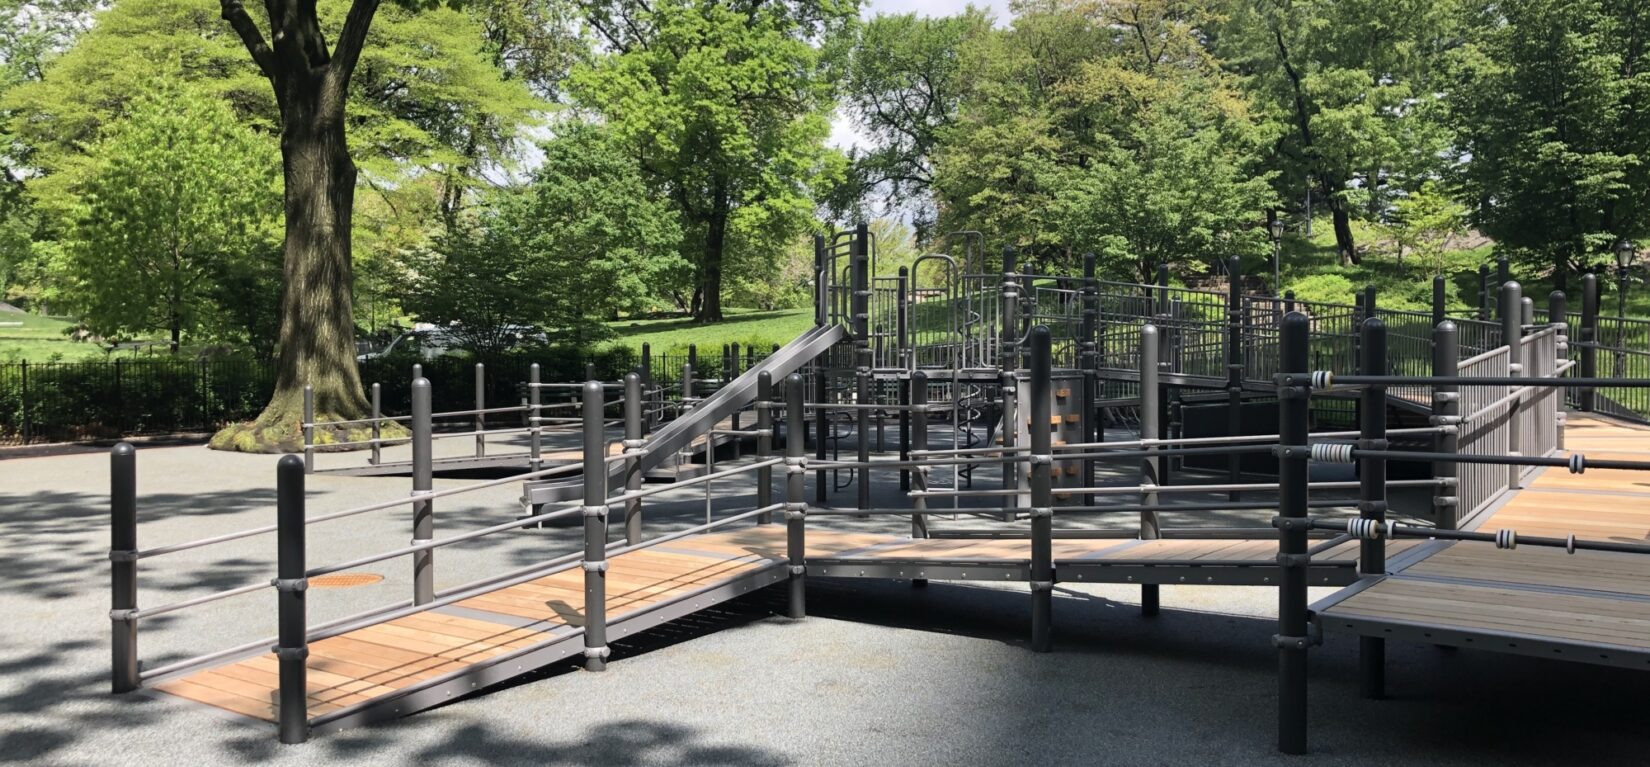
(595, 531)
(1042, 494)
(1150, 467)
(1512, 334)
(423, 480)
(1446, 413)
(123, 562)
(292, 648)
(1292, 638)
(1372, 497)
(535, 426)
(309, 428)
(1588, 333)
(796, 508)
(764, 444)
(377, 424)
(633, 446)
(481, 405)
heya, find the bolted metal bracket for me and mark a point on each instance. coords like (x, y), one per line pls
(598, 566)
(1372, 507)
(124, 616)
(1041, 511)
(1292, 523)
(799, 569)
(593, 511)
(290, 653)
(599, 653)
(1292, 451)
(1294, 560)
(290, 584)
(123, 555)
(1042, 585)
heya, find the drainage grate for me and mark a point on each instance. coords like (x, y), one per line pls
(344, 580)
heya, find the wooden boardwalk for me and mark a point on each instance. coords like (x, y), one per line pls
(1590, 606)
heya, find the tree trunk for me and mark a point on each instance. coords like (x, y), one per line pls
(317, 336)
(716, 237)
(1343, 228)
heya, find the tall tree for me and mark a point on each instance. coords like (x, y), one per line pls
(727, 104)
(1350, 82)
(181, 199)
(1550, 100)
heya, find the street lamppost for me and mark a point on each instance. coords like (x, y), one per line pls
(1625, 251)
(1277, 250)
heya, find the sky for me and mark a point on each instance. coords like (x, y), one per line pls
(842, 129)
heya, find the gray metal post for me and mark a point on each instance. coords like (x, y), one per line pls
(535, 410)
(1008, 334)
(919, 441)
(1234, 366)
(377, 425)
(1503, 271)
(822, 292)
(1150, 467)
(423, 480)
(1558, 311)
(647, 387)
(907, 362)
(1446, 413)
(1483, 292)
(1512, 334)
(123, 561)
(1010, 397)
(796, 509)
(764, 444)
(481, 404)
(1372, 497)
(595, 531)
(862, 363)
(822, 431)
(1440, 298)
(1089, 361)
(1527, 305)
(1589, 338)
(1292, 638)
(633, 446)
(1042, 495)
(292, 647)
(309, 428)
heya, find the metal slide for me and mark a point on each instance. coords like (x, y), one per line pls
(678, 434)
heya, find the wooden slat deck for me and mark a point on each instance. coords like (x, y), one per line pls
(1529, 600)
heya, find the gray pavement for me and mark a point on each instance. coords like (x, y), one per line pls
(880, 673)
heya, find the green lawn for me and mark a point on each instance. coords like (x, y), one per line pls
(41, 339)
(746, 327)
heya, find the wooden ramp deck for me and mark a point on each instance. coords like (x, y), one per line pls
(1590, 606)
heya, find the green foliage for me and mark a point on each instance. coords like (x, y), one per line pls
(1423, 225)
(1324, 288)
(1548, 98)
(727, 110)
(179, 201)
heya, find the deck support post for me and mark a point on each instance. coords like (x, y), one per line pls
(1512, 334)
(535, 428)
(685, 455)
(634, 446)
(481, 405)
(377, 424)
(822, 290)
(1589, 338)
(1150, 466)
(919, 441)
(1089, 361)
(423, 480)
(292, 647)
(309, 429)
(1292, 639)
(1008, 360)
(863, 362)
(1042, 496)
(822, 432)
(1372, 503)
(1446, 413)
(123, 561)
(796, 508)
(595, 530)
(1234, 367)
(764, 444)
(902, 285)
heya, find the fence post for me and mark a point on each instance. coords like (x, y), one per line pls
(123, 561)
(919, 442)
(646, 370)
(377, 425)
(120, 398)
(796, 508)
(764, 444)
(1009, 304)
(822, 431)
(1372, 497)
(595, 530)
(309, 429)
(732, 372)
(1439, 300)
(423, 480)
(1234, 366)
(1483, 292)
(24, 395)
(1292, 638)
(1558, 311)
(1042, 497)
(481, 404)
(633, 446)
(1150, 466)
(1512, 334)
(862, 364)
(821, 281)
(1446, 414)
(907, 362)
(290, 583)
(535, 412)
(1589, 338)
(205, 394)
(1089, 360)
(1503, 271)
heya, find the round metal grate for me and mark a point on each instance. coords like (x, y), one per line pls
(344, 580)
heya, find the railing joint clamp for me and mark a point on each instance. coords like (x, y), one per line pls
(600, 653)
(124, 616)
(1294, 560)
(1372, 507)
(1042, 585)
(1042, 460)
(290, 653)
(290, 584)
(598, 566)
(123, 555)
(1037, 512)
(1292, 523)
(594, 511)
(799, 569)
(633, 444)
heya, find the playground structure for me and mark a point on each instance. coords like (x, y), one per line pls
(1001, 387)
